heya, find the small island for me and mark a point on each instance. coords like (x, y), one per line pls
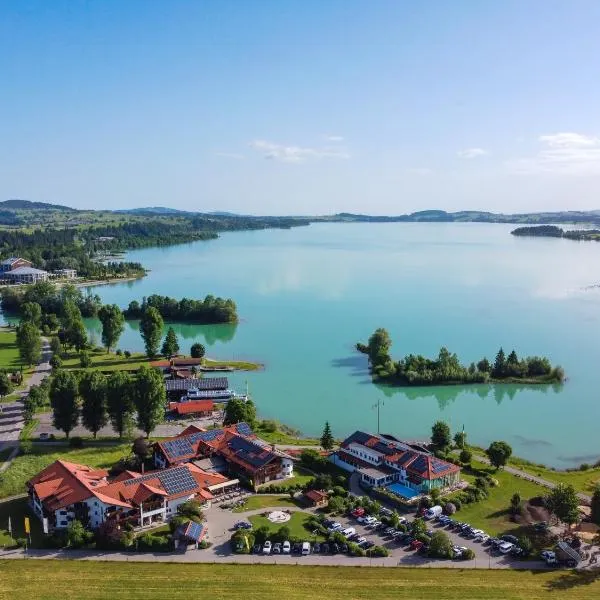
(558, 232)
(447, 369)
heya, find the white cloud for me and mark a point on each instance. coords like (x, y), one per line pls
(472, 153)
(420, 171)
(230, 155)
(564, 153)
(296, 154)
(333, 138)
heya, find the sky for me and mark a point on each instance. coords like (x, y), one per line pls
(301, 106)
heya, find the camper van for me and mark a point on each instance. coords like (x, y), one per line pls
(433, 512)
(305, 548)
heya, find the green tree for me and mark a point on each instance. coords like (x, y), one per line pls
(77, 535)
(197, 351)
(56, 346)
(440, 435)
(151, 325)
(92, 390)
(150, 398)
(440, 545)
(50, 320)
(498, 453)
(6, 387)
(465, 456)
(73, 328)
(170, 346)
(56, 361)
(327, 440)
(516, 504)
(32, 313)
(192, 509)
(85, 360)
(419, 527)
(460, 439)
(240, 411)
(499, 364)
(29, 342)
(64, 401)
(113, 324)
(119, 402)
(562, 501)
(484, 365)
(596, 506)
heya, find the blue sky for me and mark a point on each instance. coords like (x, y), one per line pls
(301, 107)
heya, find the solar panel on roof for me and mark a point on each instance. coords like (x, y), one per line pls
(244, 429)
(194, 531)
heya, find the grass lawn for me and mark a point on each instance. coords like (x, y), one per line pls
(296, 525)
(17, 509)
(491, 514)
(239, 365)
(264, 501)
(12, 481)
(301, 477)
(107, 362)
(65, 579)
(10, 359)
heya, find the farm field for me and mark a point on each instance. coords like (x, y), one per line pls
(62, 580)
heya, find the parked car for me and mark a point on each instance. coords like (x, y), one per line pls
(305, 548)
(353, 537)
(433, 512)
(267, 547)
(415, 545)
(297, 548)
(335, 526)
(334, 548)
(386, 512)
(325, 548)
(316, 548)
(505, 547)
(256, 548)
(344, 548)
(348, 532)
(389, 531)
(369, 520)
(358, 512)
(541, 526)
(456, 552)
(510, 538)
(361, 540)
(276, 548)
(328, 522)
(367, 544)
(361, 519)
(286, 547)
(242, 525)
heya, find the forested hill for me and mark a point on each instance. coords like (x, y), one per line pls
(557, 232)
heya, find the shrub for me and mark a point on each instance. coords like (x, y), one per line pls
(526, 545)
(26, 447)
(75, 442)
(77, 535)
(85, 360)
(269, 426)
(177, 521)
(465, 456)
(467, 554)
(355, 550)
(147, 542)
(440, 545)
(192, 509)
(450, 508)
(338, 490)
(127, 354)
(119, 352)
(378, 551)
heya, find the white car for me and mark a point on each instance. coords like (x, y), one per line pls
(362, 519)
(267, 547)
(370, 520)
(335, 526)
(286, 547)
(483, 538)
(505, 547)
(348, 532)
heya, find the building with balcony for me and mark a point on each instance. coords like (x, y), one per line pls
(66, 491)
(397, 466)
(245, 455)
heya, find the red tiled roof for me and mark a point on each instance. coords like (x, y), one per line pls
(316, 495)
(194, 406)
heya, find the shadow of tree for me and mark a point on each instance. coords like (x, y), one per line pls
(574, 579)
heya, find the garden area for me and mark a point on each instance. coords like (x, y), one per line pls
(265, 501)
(296, 526)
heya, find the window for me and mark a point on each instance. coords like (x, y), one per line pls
(63, 523)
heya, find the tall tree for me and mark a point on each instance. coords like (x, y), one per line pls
(29, 342)
(170, 346)
(240, 411)
(73, 328)
(32, 312)
(64, 401)
(119, 402)
(56, 346)
(498, 453)
(150, 398)
(499, 364)
(151, 325)
(113, 324)
(327, 440)
(460, 439)
(515, 503)
(562, 501)
(440, 435)
(197, 350)
(6, 387)
(92, 390)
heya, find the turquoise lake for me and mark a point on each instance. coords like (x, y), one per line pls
(307, 295)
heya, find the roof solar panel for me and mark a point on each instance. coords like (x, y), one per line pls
(244, 429)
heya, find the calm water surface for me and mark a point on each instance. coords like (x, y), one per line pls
(306, 296)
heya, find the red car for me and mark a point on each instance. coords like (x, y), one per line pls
(416, 545)
(358, 512)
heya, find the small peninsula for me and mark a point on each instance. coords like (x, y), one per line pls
(558, 232)
(447, 369)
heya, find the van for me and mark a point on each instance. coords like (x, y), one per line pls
(348, 532)
(305, 548)
(433, 512)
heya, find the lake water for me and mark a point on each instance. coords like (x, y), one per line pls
(307, 295)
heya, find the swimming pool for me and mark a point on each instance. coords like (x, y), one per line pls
(402, 490)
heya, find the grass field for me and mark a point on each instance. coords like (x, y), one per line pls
(9, 353)
(296, 525)
(64, 580)
(12, 481)
(264, 501)
(491, 514)
(301, 477)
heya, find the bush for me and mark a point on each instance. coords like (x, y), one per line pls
(269, 426)
(378, 551)
(176, 522)
(526, 545)
(465, 457)
(75, 442)
(119, 352)
(26, 447)
(355, 550)
(77, 535)
(450, 508)
(147, 542)
(467, 554)
(85, 360)
(127, 354)
(338, 490)
(192, 509)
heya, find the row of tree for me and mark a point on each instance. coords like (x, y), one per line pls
(119, 399)
(447, 369)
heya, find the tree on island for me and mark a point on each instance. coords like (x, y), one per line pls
(63, 400)
(119, 402)
(440, 436)
(113, 324)
(92, 389)
(150, 398)
(498, 453)
(170, 346)
(151, 325)
(327, 440)
(29, 342)
(197, 350)
(562, 502)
